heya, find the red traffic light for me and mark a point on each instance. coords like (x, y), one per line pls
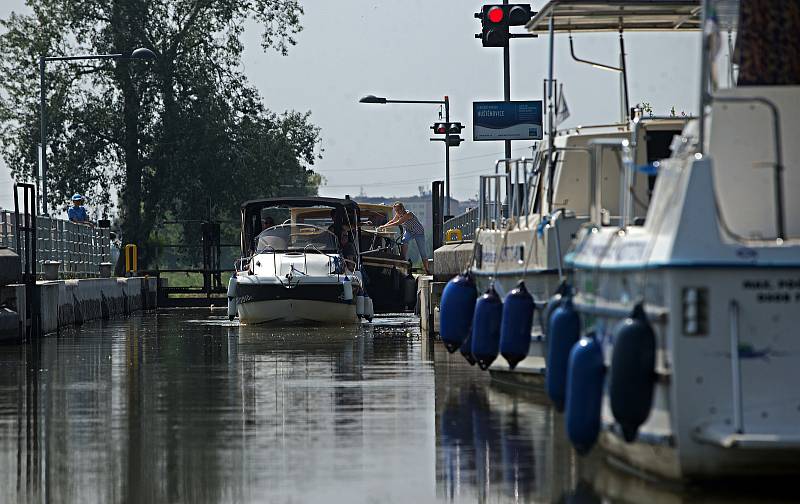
(443, 128)
(495, 14)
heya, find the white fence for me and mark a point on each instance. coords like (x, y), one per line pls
(78, 247)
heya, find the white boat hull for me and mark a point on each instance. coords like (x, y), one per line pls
(298, 311)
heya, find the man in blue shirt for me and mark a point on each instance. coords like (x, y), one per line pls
(77, 213)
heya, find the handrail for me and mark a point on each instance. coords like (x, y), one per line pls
(483, 201)
(588, 151)
(467, 222)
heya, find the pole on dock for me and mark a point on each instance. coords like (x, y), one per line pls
(437, 194)
(25, 232)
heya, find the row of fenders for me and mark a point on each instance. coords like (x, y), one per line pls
(482, 327)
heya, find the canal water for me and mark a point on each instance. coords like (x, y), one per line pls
(184, 406)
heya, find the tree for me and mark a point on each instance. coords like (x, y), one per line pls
(161, 135)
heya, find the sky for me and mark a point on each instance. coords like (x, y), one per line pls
(424, 50)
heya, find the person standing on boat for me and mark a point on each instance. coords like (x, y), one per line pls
(412, 230)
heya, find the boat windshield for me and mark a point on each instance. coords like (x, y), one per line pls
(296, 238)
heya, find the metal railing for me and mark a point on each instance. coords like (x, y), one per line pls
(502, 196)
(467, 223)
(78, 247)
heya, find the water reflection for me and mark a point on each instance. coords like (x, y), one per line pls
(495, 444)
(187, 407)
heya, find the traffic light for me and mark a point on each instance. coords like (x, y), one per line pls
(454, 140)
(494, 25)
(519, 14)
(495, 20)
(451, 130)
(444, 128)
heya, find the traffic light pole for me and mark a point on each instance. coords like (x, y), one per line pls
(507, 83)
(446, 103)
(447, 158)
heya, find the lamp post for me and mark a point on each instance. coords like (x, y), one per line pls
(138, 54)
(446, 102)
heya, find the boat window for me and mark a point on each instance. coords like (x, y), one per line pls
(296, 238)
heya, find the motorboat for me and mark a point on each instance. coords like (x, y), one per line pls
(299, 264)
(694, 312)
(531, 210)
(387, 273)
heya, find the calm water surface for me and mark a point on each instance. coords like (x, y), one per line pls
(184, 406)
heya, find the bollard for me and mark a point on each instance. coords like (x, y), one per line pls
(105, 270)
(453, 235)
(131, 258)
(51, 270)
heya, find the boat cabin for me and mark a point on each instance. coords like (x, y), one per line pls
(297, 224)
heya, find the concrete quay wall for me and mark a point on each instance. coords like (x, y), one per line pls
(72, 302)
(69, 302)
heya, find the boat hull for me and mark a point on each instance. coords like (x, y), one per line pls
(298, 311)
(690, 432)
(303, 300)
(385, 285)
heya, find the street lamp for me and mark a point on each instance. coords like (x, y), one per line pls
(141, 53)
(446, 102)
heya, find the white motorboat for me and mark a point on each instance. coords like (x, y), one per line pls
(304, 270)
(695, 313)
(531, 210)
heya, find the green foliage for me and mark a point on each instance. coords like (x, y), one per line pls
(163, 135)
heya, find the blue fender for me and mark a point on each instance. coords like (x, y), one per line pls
(515, 328)
(456, 311)
(486, 328)
(632, 377)
(466, 350)
(584, 393)
(553, 303)
(564, 332)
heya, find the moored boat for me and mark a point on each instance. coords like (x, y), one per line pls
(696, 309)
(531, 210)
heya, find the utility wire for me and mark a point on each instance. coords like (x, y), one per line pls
(405, 182)
(430, 163)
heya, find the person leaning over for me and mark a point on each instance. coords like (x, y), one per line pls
(412, 230)
(77, 212)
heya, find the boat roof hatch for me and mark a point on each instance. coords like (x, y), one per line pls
(613, 15)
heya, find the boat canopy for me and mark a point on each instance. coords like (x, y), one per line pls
(298, 202)
(616, 15)
(345, 214)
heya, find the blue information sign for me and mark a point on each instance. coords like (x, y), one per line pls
(507, 120)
